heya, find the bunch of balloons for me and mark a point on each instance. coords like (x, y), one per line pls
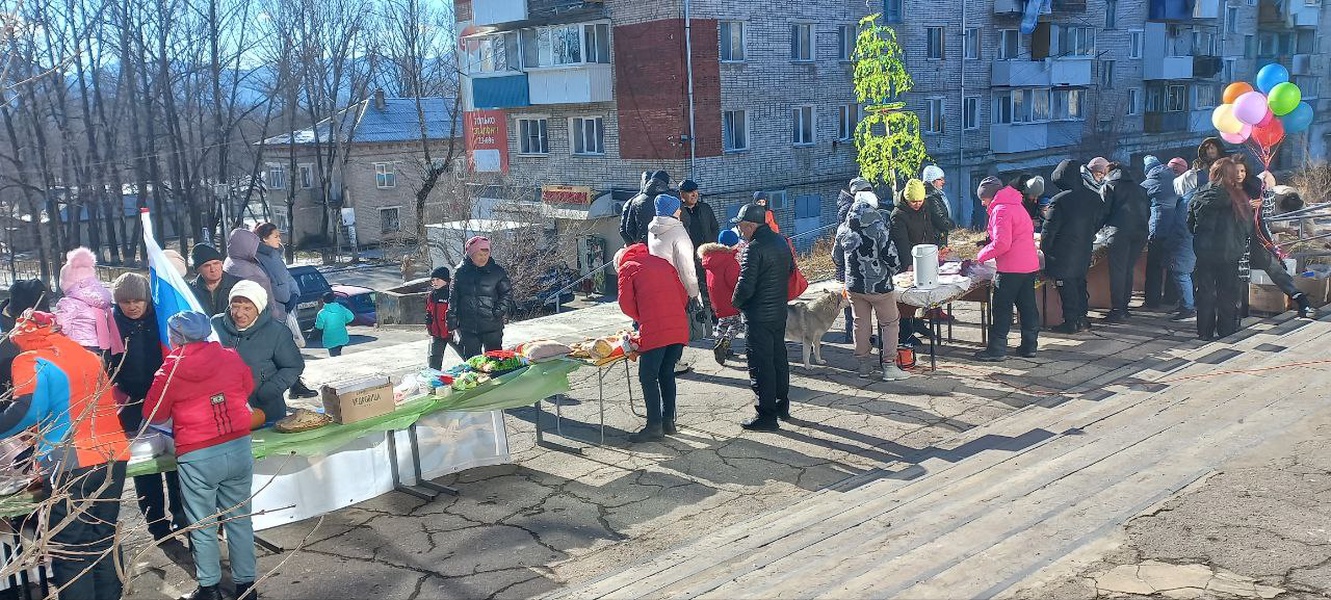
(1262, 116)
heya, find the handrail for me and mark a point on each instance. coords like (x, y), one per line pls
(554, 297)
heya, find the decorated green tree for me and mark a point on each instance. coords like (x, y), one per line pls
(888, 137)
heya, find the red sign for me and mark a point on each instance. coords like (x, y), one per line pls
(566, 194)
(487, 141)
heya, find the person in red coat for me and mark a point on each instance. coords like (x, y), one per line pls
(436, 318)
(721, 262)
(651, 294)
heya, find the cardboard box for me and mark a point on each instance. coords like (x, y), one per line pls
(1317, 290)
(1266, 299)
(358, 400)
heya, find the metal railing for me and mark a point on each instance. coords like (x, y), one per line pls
(555, 297)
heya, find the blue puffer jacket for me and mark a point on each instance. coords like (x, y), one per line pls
(1178, 238)
(1159, 186)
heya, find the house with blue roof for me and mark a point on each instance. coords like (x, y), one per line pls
(378, 180)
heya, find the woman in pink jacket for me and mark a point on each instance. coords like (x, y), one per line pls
(1012, 246)
(84, 313)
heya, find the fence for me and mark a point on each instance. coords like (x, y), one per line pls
(31, 269)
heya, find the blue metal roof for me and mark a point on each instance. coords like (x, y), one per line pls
(396, 122)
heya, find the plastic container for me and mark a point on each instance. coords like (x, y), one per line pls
(925, 259)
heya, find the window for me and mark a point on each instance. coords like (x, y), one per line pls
(384, 177)
(596, 43)
(588, 135)
(1107, 74)
(732, 41)
(847, 119)
(1003, 107)
(1266, 45)
(892, 11)
(845, 36)
(533, 136)
(1009, 44)
(1111, 13)
(1231, 19)
(970, 112)
(1228, 71)
(1250, 46)
(277, 177)
(802, 125)
(1076, 41)
(389, 221)
(1067, 105)
(735, 130)
(776, 200)
(1204, 43)
(1285, 44)
(1176, 98)
(971, 43)
(306, 176)
(1305, 42)
(1204, 96)
(808, 206)
(801, 42)
(934, 44)
(1134, 101)
(565, 45)
(1136, 43)
(1039, 105)
(489, 54)
(933, 115)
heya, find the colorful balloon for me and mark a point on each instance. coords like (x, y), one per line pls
(1284, 98)
(1298, 119)
(1270, 76)
(1267, 137)
(1237, 138)
(1236, 89)
(1251, 108)
(1224, 120)
(1265, 120)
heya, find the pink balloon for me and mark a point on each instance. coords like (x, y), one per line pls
(1251, 108)
(1237, 138)
(1267, 119)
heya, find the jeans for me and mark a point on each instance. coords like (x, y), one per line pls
(884, 306)
(1219, 292)
(1124, 251)
(85, 523)
(850, 324)
(335, 351)
(769, 368)
(656, 373)
(218, 480)
(153, 498)
(1261, 258)
(1183, 282)
(1014, 289)
(1076, 300)
(1156, 290)
(472, 343)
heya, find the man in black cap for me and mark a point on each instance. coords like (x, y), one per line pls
(213, 286)
(699, 220)
(639, 210)
(764, 277)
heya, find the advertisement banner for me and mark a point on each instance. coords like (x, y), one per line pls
(487, 141)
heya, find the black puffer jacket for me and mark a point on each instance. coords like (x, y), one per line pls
(1073, 218)
(700, 221)
(911, 228)
(1220, 236)
(480, 298)
(936, 205)
(132, 372)
(639, 210)
(1127, 209)
(764, 277)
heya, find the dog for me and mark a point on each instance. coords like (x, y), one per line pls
(808, 320)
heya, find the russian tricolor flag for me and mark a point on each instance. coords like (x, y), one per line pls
(170, 292)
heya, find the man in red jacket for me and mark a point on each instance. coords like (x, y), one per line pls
(204, 389)
(651, 294)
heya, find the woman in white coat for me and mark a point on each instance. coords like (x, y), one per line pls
(668, 239)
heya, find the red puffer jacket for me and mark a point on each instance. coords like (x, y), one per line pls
(722, 266)
(436, 312)
(204, 389)
(651, 294)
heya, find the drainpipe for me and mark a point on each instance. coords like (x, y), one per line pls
(688, 61)
(961, 131)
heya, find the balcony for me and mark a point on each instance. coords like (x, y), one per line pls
(573, 84)
(1301, 64)
(1168, 67)
(1199, 121)
(1041, 73)
(1166, 122)
(1015, 7)
(1307, 13)
(493, 12)
(1026, 137)
(1207, 67)
(1206, 9)
(1167, 56)
(1069, 5)
(500, 90)
(1176, 11)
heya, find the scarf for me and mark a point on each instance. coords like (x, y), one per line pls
(1089, 179)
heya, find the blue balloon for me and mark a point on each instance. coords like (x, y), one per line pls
(1270, 76)
(1299, 119)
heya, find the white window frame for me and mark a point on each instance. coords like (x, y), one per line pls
(575, 136)
(276, 176)
(397, 210)
(727, 141)
(935, 115)
(776, 200)
(1039, 105)
(722, 28)
(847, 119)
(306, 172)
(1107, 73)
(970, 113)
(385, 178)
(1003, 36)
(1231, 19)
(1134, 101)
(542, 125)
(847, 35)
(940, 44)
(1204, 96)
(1076, 41)
(540, 42)
(803, 126)
(1136, 43)
(802, 52)
(970, 43)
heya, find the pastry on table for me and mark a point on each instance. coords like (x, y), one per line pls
(302, 420)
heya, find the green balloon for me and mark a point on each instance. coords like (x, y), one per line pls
(1284, 98)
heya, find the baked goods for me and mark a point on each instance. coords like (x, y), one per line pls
(543, 350)
(302, 420)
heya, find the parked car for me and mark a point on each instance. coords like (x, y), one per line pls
(313, 286)
(360, 300)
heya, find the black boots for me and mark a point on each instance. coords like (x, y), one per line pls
(212, 592)
(299, 390)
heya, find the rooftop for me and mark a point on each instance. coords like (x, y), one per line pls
(395, 121)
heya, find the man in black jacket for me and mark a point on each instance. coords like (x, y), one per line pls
(1071, 220)
(213, 286)
(764, 275)
(639, 210)
(699, 220)
(1127, 214)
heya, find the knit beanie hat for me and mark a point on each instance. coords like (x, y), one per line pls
(1178, 165)
(728, 237)
(202, 254)
(28, 293)
(932, 173)
(440, 273)
(251, 291)
(80, 264)
(1150, 162)
(989, 187)
(860, 184)
(666, 205)
(688, 185)
(1098, 164)
(177, 261)
(475, 244)
(131, 286)
(1035, 186)
(188, 326)
(915, 191)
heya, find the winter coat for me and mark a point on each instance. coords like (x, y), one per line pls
(480, 298)
(218, 299)
(650, 293)
(242, 262)
(133, 370)
(273, 358)
(8, 351)
(436, 313)
(1219, 235)
(1011, 235)
(843, 204)
(1177, 238)
(911, 228)
(1127, 209)
(639, 211)
(700, 221)
(1159, 186)
(721, 264)
(668, 239)
(867, 250)
(285, 289)
(84, 314)
(765, 266)
(203, 389)
(332, 320)
(1073, 218)
(940, 213)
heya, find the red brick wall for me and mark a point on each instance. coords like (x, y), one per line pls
(651, 88)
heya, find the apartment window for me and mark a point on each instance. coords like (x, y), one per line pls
(933, 115)
(971, 43)
(1107, 73)
(596, 41)
(847, 119)
(732, 41)
(1204, 96)
(1266, 45)
(1002, 113)
(489, 54)
(735, 130)
(533, 136)
(390, 220)
(1228, 72)
(776, 200)
(802, 125)
(1249, 46)
(845, 36)
(970, 112)
(565, 45)
(801, 42)
(1203, 43)
(384, 177)
(1076, 41)
(306, 176)
(1176, 98)
(588, 135)
(934, 42)
(1039, 105)
(277, 177)
(1231, 19)
(1305, 42)
(892, 11)
(1134, 101)
(1009, 44)
(1285, 44)
(1136, 43)
(1111, 13)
